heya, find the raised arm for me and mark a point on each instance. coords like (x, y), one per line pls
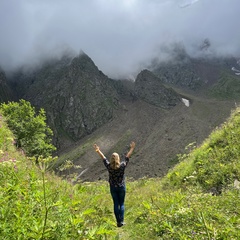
(132, 146)
(97, 149)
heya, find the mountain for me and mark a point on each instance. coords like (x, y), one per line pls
(217, 77)
(84, 106)
(77, 97)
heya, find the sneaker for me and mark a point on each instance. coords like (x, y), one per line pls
(120, 224)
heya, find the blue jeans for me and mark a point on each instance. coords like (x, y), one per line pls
(118, 196)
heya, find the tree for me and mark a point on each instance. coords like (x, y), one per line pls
(29, 128)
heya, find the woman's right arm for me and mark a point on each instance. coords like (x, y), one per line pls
(132, 146)
(97, 149)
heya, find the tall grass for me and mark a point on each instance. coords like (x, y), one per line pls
(36, 204)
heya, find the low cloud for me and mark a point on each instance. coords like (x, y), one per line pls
(119, 36)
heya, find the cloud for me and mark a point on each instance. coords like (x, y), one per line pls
(119, 36)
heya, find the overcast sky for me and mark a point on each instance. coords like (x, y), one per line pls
(119, 35)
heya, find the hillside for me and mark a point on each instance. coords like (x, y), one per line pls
(35, 204)
(159, 134)
(5, 90)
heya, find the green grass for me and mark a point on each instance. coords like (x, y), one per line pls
(228, 87)
(196, 200)
(215, 163)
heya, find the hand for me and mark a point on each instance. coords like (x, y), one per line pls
(97, 149)
(132, 145)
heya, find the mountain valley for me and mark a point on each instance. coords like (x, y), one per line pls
(84, 106)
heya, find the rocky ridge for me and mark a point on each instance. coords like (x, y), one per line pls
(79, 98)
(150, 88)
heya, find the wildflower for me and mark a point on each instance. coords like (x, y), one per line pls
(193, 232)
(15, 167)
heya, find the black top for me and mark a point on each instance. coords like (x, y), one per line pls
(116, 176)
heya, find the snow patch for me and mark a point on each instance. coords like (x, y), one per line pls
(186, 102)
(235, 70)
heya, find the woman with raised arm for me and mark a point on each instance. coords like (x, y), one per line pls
(117, 180)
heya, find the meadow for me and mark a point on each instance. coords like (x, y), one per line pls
(199, 198)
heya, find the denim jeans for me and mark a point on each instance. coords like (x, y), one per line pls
(118, 196)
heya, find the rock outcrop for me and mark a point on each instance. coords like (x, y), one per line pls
(150, 88)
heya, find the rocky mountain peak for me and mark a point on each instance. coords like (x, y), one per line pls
(150, 88)
(77, 97)
(84, 62)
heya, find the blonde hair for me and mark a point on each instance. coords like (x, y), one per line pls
(115, 161)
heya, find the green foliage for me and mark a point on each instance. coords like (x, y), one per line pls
(188, 215)
(227, 87)
(6, 136)
(30, 129)
(36, 204)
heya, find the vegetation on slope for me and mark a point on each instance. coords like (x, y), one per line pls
(36, 204)
(227, 87)
(215, 164)
(29, 128)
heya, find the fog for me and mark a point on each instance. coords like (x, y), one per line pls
(120, 36)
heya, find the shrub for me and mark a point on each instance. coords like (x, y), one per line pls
(29, 128)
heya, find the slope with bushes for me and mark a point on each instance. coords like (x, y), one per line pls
(36, 204)
(215, 164)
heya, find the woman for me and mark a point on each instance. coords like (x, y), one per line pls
(117, 180)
